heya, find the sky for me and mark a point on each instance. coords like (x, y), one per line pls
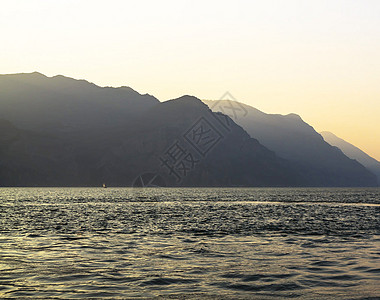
(319, 59)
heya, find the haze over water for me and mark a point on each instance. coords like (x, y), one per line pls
(204, 242)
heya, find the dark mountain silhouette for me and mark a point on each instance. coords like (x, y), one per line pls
(65, 132)
(293, 139)
(28, 158)
(353, 152)
(225, 156)
(61, 104)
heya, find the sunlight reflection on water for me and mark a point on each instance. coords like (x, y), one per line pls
(264, 243)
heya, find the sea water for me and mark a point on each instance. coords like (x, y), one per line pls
(215, 243)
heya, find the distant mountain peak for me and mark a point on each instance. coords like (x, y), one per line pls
(293, 139)
(188, 98)
(353, 152)
(26, 75)
(37, 74)
(124, 87)
(294, 116)
(59, 76)
(185, 100)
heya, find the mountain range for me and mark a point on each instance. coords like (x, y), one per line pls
(296, 141)
(353, 152)
(58, 131)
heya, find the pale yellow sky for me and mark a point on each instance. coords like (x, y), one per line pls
(319, 59)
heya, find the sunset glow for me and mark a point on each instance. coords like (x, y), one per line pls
(319, 59)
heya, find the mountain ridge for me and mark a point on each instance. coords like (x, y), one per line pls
(295, 140)
(68, 132)
(353, 152)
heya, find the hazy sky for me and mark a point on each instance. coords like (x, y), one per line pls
(319, 59)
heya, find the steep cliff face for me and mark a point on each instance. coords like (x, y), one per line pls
(188, 145)
(293, 139)
(354, 152)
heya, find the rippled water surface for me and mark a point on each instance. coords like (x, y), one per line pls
(189, 243)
